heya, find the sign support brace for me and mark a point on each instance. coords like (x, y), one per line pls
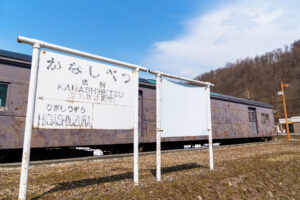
(29, 122)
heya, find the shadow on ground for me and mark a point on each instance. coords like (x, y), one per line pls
(86, 182)
(165, 170)
(118, 177)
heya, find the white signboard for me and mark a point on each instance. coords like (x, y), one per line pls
(184, 110)
(73, 93)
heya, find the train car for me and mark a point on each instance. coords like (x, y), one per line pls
(232, 118)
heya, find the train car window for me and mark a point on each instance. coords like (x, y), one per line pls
(265, 118)
(252, 117)
(3, 94)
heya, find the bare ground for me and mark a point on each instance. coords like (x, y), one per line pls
(264, 171)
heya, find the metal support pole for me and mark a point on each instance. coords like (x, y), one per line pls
(180, 78)
(210, 140)
(158, 129)
(285, 112)
(29, 121)
(136, 133)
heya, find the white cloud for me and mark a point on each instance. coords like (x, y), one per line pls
(227, 33)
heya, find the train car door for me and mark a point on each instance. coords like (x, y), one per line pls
(252, 121)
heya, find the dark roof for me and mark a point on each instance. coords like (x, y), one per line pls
(214, 95)
(19, 56)
(149, 81)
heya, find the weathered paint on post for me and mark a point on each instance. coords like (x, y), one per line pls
(211, 157)
(158, 129)
(29, 123)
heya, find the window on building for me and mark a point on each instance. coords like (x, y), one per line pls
(265, 119)
(3, 94)
(251, 112)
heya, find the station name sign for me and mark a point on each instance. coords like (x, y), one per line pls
(74, 93)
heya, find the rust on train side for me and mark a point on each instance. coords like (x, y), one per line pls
(230, 116)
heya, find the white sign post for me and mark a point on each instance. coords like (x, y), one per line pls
(136, 133)
(193, 117)
(78, 94)
(28, 122)
(158, 128)
(210, 140)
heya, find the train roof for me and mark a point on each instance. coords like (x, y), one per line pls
(19, 56)
(223, 97)
(17, 59)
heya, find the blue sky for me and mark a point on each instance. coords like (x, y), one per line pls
(118, 29)
(180, 37)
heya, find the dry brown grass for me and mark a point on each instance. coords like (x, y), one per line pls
(265, 171)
